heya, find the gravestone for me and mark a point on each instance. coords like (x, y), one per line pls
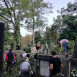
(73, 70)
(44, 68)
(33, 49)
(43, 65)
(75, 50)
(1, 46)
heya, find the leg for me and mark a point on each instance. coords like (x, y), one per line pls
(57, 75)
(22, 74)
(10, 66)
(65, 47)
(29, 74)
(7, 66)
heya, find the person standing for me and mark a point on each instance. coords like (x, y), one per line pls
(9, 59)
(63, 43)
(55, 65)
(45, 50)
(38, 48)
(25, 68)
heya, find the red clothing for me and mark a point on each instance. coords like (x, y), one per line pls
(7, 57)
(37, 47)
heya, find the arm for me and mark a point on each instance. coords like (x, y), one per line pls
(61, 45)
(13, 57)
(51, 66)
(6, 57)
(61, 66)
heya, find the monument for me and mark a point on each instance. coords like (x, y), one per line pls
(1, 46)
(73, 70)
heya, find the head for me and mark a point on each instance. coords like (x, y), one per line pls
(27, 60)
(53, 53)
(28, 55)
(38, 44)
(10, 50)
(58, 42)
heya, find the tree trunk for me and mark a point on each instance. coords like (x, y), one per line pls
(17, 35)
(1, 47)
(33, 32)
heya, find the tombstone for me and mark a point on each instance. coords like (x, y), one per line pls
(33, 49)
(75, 50)
(73, 70)
(43, 65)
(1, 46)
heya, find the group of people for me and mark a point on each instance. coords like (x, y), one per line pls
(38, 49)
(63, 44)
(55, 62)
(25, 68)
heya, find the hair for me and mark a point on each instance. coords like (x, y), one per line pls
(27, 60)
(10, 50)
(58, 42)
(53, 52)
(28, 55)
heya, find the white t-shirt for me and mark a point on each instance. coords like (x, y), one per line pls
(24, 55)
(63, 41)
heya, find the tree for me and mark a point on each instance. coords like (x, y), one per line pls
(35, 19)
(70, 31)
(37, 37)
(12, 12)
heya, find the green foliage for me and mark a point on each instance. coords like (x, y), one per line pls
(70, 31)
(27, 49)
(70, 47)
(47, 36)
(37, 36)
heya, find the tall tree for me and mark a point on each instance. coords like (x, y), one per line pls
(12, 11)
(35, 18)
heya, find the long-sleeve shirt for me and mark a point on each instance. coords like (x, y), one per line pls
(10, 56)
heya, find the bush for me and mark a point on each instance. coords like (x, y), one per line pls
(27, 49)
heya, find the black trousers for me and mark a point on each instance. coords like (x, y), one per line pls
(9, 66)
(25, 72)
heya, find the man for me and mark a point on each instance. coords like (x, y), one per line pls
(25, 55)
(9, 59)
(25, 68)
(55, 65)
(63, 43)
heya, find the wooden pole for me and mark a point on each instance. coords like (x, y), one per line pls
(69, 69)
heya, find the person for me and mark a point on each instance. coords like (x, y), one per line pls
(9, 59)
(25, 68)
(25, 55)
(45, 50)
(38, 48)
(63, 43)
(55, 65)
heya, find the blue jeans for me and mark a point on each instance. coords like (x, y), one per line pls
(39, 50)
(65, 45)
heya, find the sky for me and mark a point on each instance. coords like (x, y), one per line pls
(57, 5)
